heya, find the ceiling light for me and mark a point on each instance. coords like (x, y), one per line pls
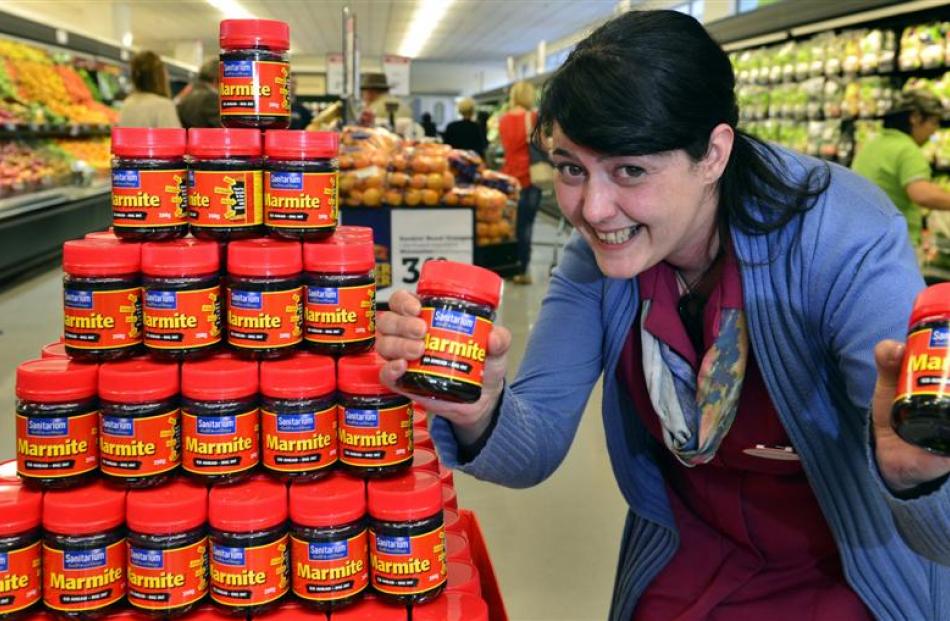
(127, 39)
(231, 9)
(424, 21)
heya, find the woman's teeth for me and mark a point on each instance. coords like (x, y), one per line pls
(618, 237)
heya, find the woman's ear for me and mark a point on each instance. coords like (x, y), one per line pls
(717, 155)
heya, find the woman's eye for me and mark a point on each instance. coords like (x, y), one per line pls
(630, 172)
(566, 169)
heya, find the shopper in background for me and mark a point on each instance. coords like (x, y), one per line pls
(514, 129)
(465, 133)
(149, 104)
(300, 115)
(896, 164)
(199, 107)
(431, 131)
(386, 109)
(736, 299)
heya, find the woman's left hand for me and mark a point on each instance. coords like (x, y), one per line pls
(902, 465)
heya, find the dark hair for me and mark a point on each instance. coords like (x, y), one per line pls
(148, 74)
(654, 81)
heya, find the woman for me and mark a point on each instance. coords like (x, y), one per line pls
(466, 134)
(514, 128)
(735, 298)
(149, 104)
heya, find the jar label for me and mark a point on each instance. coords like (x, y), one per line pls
(102, 319)
(139, 446)
(250, 576)
(182, 319)
(926, 368)
(21, 578)
(300, 199)
(340, 314)
(374, 438)
(149, 198)
(404, 565)
(225, 198)
(300, 442)
(168, 579)
(265, 319)
(88, 579)
(254, 87)
(330, 570)
(456, 345)
(54, 447)
(220, 444)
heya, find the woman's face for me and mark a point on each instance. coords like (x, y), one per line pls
(636, 211)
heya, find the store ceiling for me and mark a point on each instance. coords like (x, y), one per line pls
(472, 30)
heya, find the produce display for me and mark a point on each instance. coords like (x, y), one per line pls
(34, 88)
(925, 46)
(378, 168)
(29, 166)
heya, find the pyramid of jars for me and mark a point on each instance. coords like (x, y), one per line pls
(210, 437)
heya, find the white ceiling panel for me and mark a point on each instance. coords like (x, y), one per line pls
(472, 30)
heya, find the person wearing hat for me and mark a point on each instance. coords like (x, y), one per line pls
(895, 163)
(374, 88)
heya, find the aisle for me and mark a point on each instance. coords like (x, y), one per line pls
(554, 547)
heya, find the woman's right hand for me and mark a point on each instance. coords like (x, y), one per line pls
(400, 337)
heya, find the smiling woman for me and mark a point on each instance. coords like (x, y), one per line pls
(736, 299)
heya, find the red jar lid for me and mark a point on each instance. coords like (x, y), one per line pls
(452, 607)
(456, 547)
(463, 578)
(452, 520)
(219, 378)
(39, 615)
(54, 350)
(138, 381)
(359, 375)
(146, 142)
(87, 510)
(206, 613)
(421, 437)
(56, 380)
(8, 473)
(450, 499)
(264, 257)
(250, 33)
(21, 509)
(220, 142)
(426, 460)
(302, 376)
(181, 257)
(345, 251)
(298, 144)
(371, 608)
(287, 611)
(932, 302)
(460, 280)
(416, 495)
(108, 235)
(334, 501)
(446, 475)
(256, 504)
(101, 257)
(177, 507)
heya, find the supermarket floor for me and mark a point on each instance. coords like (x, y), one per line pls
(554, 547)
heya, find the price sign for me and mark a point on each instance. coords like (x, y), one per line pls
(419, 235)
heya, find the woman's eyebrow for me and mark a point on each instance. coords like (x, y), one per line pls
(563, 153)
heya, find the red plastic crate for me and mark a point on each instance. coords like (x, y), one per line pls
(491, 593)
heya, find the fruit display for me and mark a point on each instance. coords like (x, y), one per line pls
(925, 46)
(28, 167)
(95, 152)
(36, 89)
(377, 168)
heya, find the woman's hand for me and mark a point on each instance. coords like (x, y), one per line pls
(400, 335)
(902, 465)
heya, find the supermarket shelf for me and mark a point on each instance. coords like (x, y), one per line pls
(23, 131)
(34, 226)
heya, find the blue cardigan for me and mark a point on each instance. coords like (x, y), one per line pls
(819, 294)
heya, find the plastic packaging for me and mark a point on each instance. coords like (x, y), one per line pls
(21, 576)
(301, 178)
(254, 74)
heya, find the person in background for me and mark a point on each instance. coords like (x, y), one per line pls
(300, 115)
(149, 104)
(465, 133)
(428, 126)
(895, 163)
(200, 106)
(514, 129)
(374, 89)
